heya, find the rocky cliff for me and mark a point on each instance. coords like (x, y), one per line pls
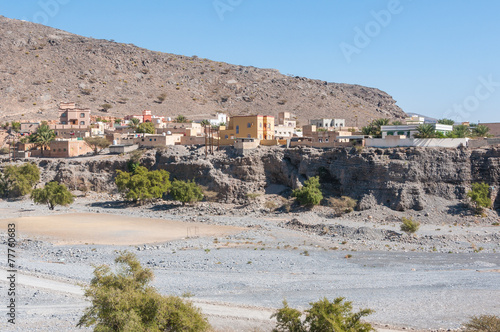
(402, 178)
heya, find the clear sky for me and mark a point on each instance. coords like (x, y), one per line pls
(437, 58)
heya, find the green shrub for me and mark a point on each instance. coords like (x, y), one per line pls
(484, 323)
(143, 185)
(479, 196)
(4, 150)
(134, 160)
(322, 316)
(186, 192)
(18, 181)
(124, 301)
(53, 194)
(409, 225)
(310, 194)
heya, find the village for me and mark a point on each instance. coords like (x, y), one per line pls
(69, 136)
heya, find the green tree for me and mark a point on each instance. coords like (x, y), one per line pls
(18, 181)
(426, 130)
(96, 143)
(143, 185)
(125, 301)
(396, 123)
(42, 137)
(180, 119)
(134, 122)
(446, 122)
(186, 192)
(53, 194)
(16, 126)
(146, 127)
(480, 197)
(118, 121)
(310, 193)
(481, 131)
(205, 123)
(323, 316)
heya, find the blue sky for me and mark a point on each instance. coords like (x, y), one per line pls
(438, 58)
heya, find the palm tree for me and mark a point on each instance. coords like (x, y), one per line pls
(205, 123)
(396, 123)
(481, 131)
(134, 122)
(42, 137)
(446, 122)
(426, 131)
(380, 122)
(461, 131)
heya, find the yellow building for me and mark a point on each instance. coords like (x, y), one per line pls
(260, 127)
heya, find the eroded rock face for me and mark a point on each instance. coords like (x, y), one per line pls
(401, 178)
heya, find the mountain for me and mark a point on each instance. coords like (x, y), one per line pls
(41, 66)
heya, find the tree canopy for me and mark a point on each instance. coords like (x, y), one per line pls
(142, 184)
(146, 127)
(186, 192)
(124, 301)
(53, 194)
(322, 316)
(97, 143)
(42, 137)
(18, 181)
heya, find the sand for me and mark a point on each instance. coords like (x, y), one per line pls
(108, 229)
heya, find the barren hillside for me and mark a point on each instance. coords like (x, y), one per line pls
(41, 66)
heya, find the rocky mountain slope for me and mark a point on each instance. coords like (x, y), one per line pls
(400, 178)
(41, 66)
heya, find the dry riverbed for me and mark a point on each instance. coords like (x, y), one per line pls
(239, 263)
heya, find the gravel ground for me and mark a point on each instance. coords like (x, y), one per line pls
(437, 279)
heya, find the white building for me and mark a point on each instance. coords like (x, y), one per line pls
(328, 123)
(410, 130)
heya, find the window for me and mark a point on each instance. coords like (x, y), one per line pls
(227, 137)
(260, 124)
(260, 136)
(82, 115)
(249, 125)
(151, 140)
(63, 115)
(155, 139)
(82, 123)
(249, 136)
(269, 126)
(64, 149)
(237, 129)
(326, 139)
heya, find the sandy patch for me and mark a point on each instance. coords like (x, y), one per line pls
(100, 228)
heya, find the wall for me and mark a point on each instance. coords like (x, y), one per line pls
(478, 143)
(395, 141)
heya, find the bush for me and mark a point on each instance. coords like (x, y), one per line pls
(484, 323)
(143, 185)
(186, 192)
(124, 301)
(479, 196)
(342, 205)
(18, 181)
(310, 194)
(4, 150)
(134, 160)
(409, 226)
(322, 316)
(53, 194)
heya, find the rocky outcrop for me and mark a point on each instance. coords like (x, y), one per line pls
(401, 178)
